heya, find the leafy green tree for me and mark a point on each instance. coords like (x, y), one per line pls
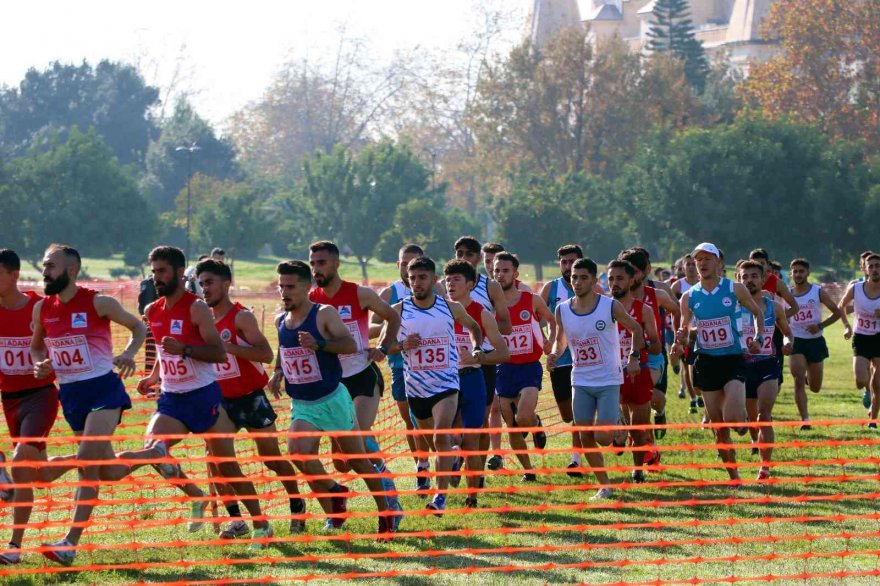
(111, 97)
(77, 192)
(427, 223)
(672, 30)
(354, 196)
(237, 220)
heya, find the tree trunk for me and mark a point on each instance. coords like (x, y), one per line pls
(363, 262)
(539, 272)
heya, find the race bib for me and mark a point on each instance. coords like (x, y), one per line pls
(586, 352)
(807, 316)
(69, 355)
(749, 334)
(176, 370)
(626, 345)
(300, 365)
(867, 323)
(714, 333)
(15, 356)
(228, 369)
(465, 349)
(432, 354)
(520, 340)
(356, 334)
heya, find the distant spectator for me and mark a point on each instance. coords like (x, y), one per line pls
(218, 254)
(146, 296)
(190, 281)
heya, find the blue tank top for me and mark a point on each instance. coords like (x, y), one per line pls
(308, 375)
(717, 316)
(399, 291)
(768, 348)
(560, 292)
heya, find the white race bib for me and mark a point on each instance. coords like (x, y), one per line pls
(520, 339)
(808, 316)
(432, 354)
(715, 333)
(15, 356)
(356, 334)
(228, 369)
(586, 352)
(176, 370)
(300, 365)
(70, 355)
(749, 335)
(867, 323)
(626, 345)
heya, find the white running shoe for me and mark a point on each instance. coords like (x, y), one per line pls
(603, 494)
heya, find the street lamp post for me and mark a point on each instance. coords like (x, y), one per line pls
(189, 153)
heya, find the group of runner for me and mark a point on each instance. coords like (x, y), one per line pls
(465, 352)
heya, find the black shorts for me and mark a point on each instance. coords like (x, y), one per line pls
(711, 373)
(866, 345)
(560, 380)
(423, 407)
(815, 350)
(489, 371)
(252, 411)
(691, 354)
(759, 372)
(363, 384)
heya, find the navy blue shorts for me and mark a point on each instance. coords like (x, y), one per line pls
(511, 379)
(95, 394)
(759, 372)
(398, 390)
(198, 410)
(472, 397)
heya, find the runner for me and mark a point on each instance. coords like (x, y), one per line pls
(809, 350)
(460, 279)
(518, 381)
(72, 338)
(360, 373)
(689, 278)
(190, 400)
(865, 298)
(553, 293)
(30, 405)
(310, 339)
(392, 294)
(866, 395)
(635, 392)
(430, 361)
(242, 379)
(586, 324)
(762, 378)
(489, 250)
(719, 372)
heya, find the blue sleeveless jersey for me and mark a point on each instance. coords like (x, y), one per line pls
(308, 375)
(717, 316)
(560, 292)
(399, 291)
(749, 331)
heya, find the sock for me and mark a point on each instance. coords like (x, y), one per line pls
(576, 458)
(234, 510)
(297, 505)
(14, 545)
(423, 465)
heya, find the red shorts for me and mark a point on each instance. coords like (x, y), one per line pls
(639, 392)
(31, 413)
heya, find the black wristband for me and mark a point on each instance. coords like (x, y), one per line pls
(321, 344)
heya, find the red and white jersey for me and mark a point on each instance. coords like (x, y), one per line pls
(16, 331)
(180, 374)
(525, 341)
(463, 335)
(77, 338)
(651, 300)
(355, 318)
(237, 377)
(626, 338)
(771, 285)
(809, 314)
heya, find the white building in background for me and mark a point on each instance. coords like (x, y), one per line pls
(731, 26)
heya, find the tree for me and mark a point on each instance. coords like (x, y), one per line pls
(355, 195)
(237, 221)
(672, 31)
(428, 224)
(77, 192)
(168, 168)
(111, 97)
(827, 69)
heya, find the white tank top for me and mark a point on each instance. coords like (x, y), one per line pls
(867, 322)
(809, 314)
(480, 293)
(594, 344)
(683, 288)
(432, 368)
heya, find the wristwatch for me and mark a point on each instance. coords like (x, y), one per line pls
(635, 354)
(759, 339)
(187, 351)
(383, 349)
(321, 343)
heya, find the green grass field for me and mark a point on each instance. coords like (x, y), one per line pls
(654, 531)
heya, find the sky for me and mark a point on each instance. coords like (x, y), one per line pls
(226, 52)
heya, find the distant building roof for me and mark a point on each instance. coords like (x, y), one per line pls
(606, 12)
(647, 8)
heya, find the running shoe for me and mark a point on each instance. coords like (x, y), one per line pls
(297, 526)
(10, 556)
(764, 473)
(397, 517)
(338, 505)
(423, 481)
(261, 533)
(659, 419)
(62, 554)
(388, 486)
(872, 425)
(165, 469)
(602, 494)
(495, 462)
(681, 393)
(693, 408)
(539, 437)
(700, 402)
(470, 502)
(529, 477)
(652, 459)
(573, 470)
(638, 476)
(455, 479)
(197, 516)
(234, 528)
(438, 505)
(805, 425)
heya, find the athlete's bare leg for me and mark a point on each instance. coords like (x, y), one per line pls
(727, 406)
(443, 415)
(638, 414)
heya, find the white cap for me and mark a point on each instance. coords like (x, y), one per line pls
(707, 247)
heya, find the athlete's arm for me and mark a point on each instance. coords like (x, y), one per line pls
(501, 354)
(841, 306)
(618, 311)
(371, 301)
(463, 317)
(543, 314)
(746, 300)
(248, 329)
(783, 326)
(376, 322)
(110, 308)
(203, 321)
(676, 290)
(783, 291)
(681, 333)
(652, 337)
(559, 342)
(39, 353)
(337, 338)
(502, 314)
(825, 299)
(545, 292)
(667, 302)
